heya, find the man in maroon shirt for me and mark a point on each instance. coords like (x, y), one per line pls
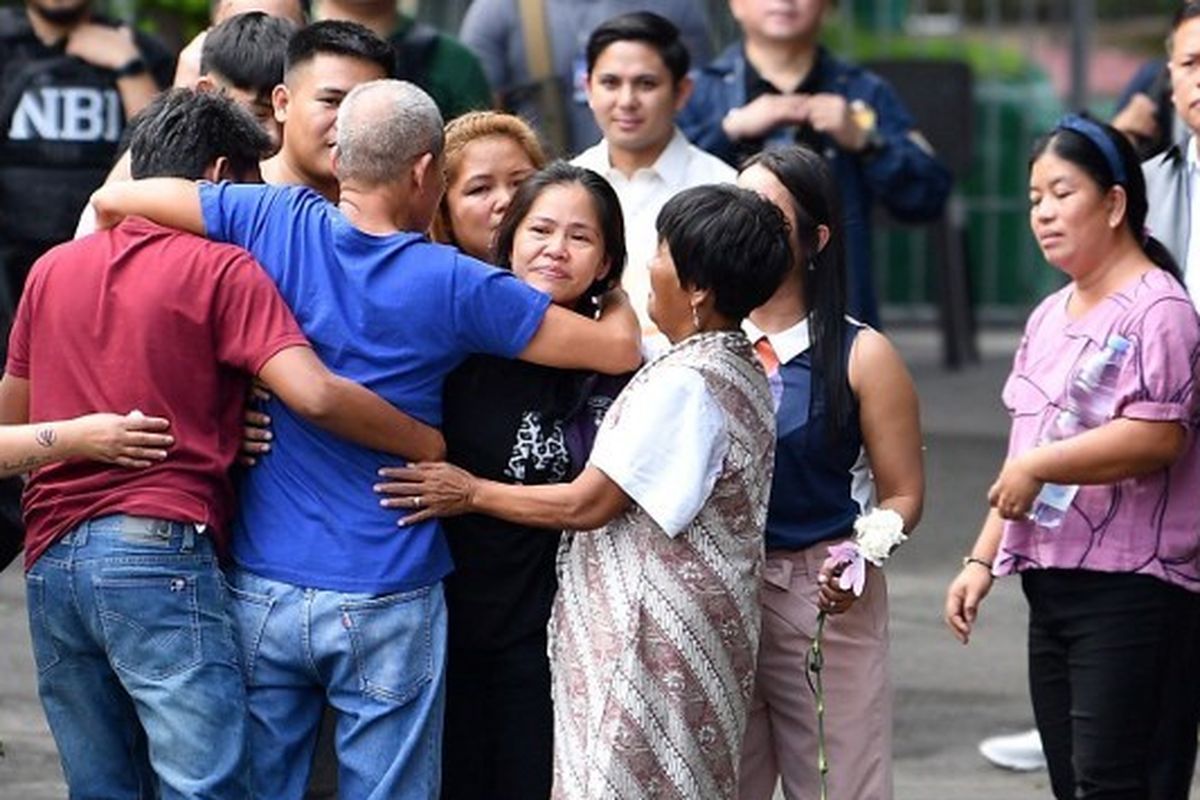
(137, 666)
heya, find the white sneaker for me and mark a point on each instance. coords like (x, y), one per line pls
(1017, 751)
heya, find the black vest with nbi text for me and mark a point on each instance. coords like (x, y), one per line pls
(61, 120)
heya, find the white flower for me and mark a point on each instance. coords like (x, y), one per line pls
(878, 533)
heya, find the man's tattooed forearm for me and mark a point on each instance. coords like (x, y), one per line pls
(23, 464)
(47, 437)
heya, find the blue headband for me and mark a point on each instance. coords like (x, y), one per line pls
(1092, 131)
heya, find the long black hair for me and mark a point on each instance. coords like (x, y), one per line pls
(1108, 167)
(815, 202)
(608, 213)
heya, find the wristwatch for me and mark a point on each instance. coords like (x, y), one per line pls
(134, 66)
(868, 121)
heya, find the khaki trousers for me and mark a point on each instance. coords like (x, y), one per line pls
(781, 731)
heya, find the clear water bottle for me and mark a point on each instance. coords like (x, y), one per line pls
(1089, 404)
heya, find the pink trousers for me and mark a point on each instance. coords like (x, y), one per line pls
(781, 731)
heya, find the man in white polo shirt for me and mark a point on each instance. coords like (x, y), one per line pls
(637, 81)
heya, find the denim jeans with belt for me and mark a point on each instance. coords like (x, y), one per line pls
(380, 662)
(137, 661)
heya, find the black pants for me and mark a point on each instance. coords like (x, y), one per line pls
(323, 775)
(1113, 676)
(15, 261)
(498, 743)
(12, 529)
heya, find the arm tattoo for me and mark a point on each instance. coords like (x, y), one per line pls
(24, 464)
(46, 437)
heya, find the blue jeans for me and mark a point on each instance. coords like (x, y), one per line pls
(380, 662)
(137, 661)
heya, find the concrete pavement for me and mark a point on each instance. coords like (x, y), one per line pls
(948, 696)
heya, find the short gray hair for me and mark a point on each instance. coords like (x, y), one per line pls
(383, 126)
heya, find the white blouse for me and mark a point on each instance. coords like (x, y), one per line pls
(666, 451)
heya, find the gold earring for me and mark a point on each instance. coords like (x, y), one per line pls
(695, 319)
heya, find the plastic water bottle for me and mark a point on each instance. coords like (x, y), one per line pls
(1089, 404)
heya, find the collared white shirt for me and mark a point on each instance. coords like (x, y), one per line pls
(790, 343)
(1191, 268)
(680, 166)
(671, 484)
(787, 343)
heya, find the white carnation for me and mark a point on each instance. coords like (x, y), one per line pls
(878, 533)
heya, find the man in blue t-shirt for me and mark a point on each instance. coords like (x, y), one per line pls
(332, 599)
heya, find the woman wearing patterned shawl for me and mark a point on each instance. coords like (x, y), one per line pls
(655, 627)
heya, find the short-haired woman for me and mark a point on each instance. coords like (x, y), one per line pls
(655, 625)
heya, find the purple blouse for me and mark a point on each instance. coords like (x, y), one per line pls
(1150, 524)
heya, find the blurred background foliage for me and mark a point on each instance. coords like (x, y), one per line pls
(178, 20)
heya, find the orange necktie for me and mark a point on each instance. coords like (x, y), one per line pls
(770, 364)
(766, 356)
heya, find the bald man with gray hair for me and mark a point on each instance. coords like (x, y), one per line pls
(383, 126)
(332, 600)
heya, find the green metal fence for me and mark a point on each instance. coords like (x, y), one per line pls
(1014, 102)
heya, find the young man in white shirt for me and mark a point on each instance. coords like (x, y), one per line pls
(637, 82)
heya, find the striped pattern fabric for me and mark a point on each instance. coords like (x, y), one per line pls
(653, 638)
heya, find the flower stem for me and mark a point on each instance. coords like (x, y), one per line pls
(816, 662)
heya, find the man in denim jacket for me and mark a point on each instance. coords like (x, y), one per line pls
(779, 87)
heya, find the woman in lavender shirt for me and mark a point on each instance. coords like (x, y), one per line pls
(1113, 590)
